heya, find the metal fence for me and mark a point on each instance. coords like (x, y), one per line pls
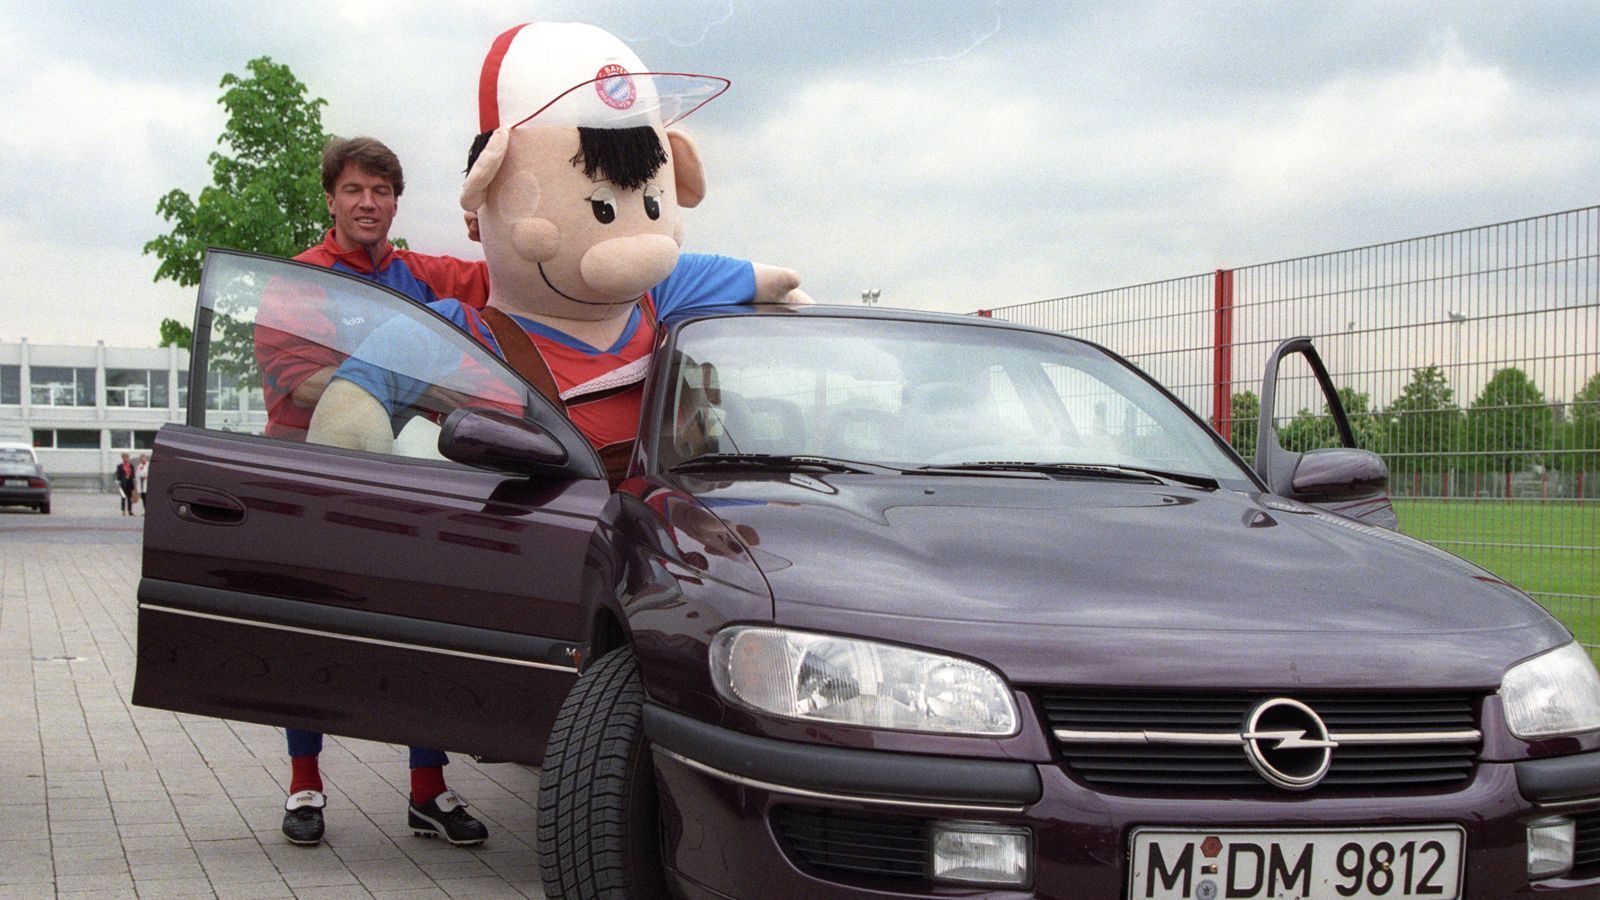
(1470, 360)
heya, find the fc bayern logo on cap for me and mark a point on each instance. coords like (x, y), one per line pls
(615, 87)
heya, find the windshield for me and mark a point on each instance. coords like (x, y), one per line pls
(920, 394)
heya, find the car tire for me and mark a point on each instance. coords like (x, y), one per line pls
(44, 508)
(599, 820)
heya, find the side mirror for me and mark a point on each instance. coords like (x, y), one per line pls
(1338, 474)
(492, 439)
(1346, 480)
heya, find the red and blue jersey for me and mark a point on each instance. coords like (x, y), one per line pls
(423, 277)
(297, 332)
(602, 387)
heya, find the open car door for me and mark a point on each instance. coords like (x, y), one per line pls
(1345, 479)
(386, 592)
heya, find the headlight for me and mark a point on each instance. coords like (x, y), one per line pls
(1551, 695)
(821, 677)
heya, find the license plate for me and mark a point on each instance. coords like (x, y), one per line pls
(1183, 864)
(17, 482)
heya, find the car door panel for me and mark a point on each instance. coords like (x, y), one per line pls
(380, 596)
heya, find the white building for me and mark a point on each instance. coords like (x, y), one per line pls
(83, 407)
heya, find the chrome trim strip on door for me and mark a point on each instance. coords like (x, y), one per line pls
(251, 623)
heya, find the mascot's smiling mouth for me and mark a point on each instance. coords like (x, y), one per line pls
(552, 287)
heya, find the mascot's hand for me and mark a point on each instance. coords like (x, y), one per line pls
(349, 416)
(775, 284)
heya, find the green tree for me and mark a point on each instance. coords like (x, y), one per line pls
(1309, 431)
(1422, 423)
(1245, 409)
(1509, 423)
(1580, 436)
(265, 196)
(266, 185)
(174, 332)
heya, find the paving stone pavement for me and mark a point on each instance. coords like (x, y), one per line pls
(100, 798)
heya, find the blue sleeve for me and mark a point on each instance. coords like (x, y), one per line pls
(702, 280)
(402, 357)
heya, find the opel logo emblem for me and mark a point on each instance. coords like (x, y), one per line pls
(1287, 743)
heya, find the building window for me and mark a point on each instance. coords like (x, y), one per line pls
(11, 385)
(136, 388)
(61, 386)
(126, 439)
(183, 389)
(67, 438)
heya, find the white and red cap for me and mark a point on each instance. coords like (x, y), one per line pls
(572, 74)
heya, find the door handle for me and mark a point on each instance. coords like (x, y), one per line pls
(206, 505)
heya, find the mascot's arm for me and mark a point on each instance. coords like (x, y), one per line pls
(349, 416)
(775, 284)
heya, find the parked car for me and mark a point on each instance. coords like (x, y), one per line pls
(892, 604)
(22, 480)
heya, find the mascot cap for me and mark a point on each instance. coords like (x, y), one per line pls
(571, 74)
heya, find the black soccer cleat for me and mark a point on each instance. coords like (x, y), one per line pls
(446, 816)
(302, 817)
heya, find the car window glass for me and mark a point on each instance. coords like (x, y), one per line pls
(281, 334)
(16, 457)
(916, 393)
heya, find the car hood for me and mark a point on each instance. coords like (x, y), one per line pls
(1073, 581)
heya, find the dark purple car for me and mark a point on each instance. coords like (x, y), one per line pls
(892, 604)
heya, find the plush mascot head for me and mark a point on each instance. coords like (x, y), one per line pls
(575, 179)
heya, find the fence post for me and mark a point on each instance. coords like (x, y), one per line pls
(1222, 354)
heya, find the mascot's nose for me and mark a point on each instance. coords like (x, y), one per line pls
(625, 267)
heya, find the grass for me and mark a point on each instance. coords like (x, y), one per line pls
(1546, 549)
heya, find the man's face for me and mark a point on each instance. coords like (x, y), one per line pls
(362, 206)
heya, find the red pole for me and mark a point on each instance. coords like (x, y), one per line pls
(1222, 354)
(1416, 483)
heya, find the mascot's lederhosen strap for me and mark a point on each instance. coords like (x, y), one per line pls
(599, 405)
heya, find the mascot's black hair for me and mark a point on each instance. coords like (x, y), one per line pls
(627, 157)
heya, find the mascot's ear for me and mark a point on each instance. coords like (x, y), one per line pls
(686, 168)
(487, 165)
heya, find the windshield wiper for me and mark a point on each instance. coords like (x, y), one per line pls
(1079, 470)
(777, 462)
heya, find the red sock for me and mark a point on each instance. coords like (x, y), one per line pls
(303, 774)
(427, 782)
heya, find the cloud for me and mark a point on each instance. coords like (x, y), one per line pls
(97, 150)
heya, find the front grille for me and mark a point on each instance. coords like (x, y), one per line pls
(854, 845)
(1366, 766)
(1587, 852)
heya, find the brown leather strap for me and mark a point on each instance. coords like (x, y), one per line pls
(523, 356)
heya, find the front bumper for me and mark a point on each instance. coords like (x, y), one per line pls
(730, 799)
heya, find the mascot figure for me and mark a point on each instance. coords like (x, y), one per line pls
(574, 187)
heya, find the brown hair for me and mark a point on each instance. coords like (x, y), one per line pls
(369, 153)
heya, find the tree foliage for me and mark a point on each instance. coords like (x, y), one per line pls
(1510, 422)
(176, 333)
(266, 188)
(1245, 408)
(265, 196)
(1422, 423)
(1310, 431)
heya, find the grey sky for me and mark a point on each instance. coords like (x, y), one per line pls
(955, 155)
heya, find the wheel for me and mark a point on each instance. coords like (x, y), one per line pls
(45, 507)
(599, 817)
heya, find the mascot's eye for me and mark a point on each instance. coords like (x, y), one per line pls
(603, 204)
(652, 202)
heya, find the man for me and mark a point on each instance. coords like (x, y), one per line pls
(363, 182)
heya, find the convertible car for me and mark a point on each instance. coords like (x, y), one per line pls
(889, 604)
